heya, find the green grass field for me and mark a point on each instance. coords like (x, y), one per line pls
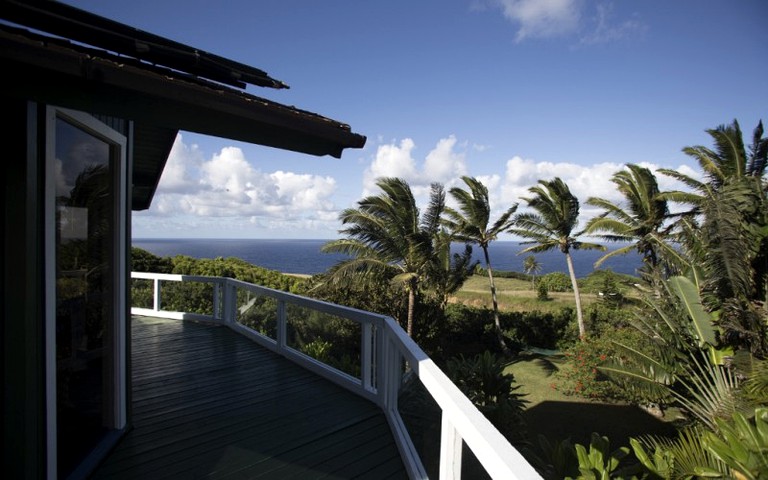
(515, 296)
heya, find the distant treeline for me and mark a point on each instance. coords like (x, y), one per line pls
(144, 261)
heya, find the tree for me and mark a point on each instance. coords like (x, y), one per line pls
(532, 267)
(387, 238)
(449, 271)
(470, 224)
(640, 222)
(728, 238)
(551, 226)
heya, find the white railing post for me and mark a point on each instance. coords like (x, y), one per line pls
(156, 288)
(380, 365)
(282, 328)
(366, 345)
(230, 302)
(450, 450)
(390, 375)
(217, 313)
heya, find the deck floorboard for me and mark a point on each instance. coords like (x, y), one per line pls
(209, 403)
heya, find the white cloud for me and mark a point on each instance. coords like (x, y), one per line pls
(591, 22)
(603, 29)
(391, 161)
(443, 164)
(183, 163)
(584, 181)
(229, 187)
(541, 18)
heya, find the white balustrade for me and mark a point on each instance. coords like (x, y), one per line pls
(384, 347)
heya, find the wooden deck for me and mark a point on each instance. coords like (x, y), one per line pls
(209, 403)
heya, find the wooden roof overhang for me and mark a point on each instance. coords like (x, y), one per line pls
(159, 99)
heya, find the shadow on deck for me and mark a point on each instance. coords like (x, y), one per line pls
(209, 403)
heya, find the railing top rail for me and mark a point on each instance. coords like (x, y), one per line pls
(176, 277)
(349, 313)
(500, 459)
(320, 305)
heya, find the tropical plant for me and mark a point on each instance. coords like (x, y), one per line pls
(449, 271)
(599, 462)
(675, 458)
(492, 390)
(388, 238)
(737, 448)
(532, 267)
(727, 239)
(682, 345)
(640, 223)
(471, 224)
(552, 226)
(564, 460)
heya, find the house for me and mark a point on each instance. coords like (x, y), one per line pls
(92, 108)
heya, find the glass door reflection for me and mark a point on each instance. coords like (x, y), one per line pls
(85, 292)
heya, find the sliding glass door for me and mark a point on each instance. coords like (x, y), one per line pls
(86, 327)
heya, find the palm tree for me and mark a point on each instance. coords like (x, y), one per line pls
(640, 223)
(449, 270)
(728, 244)
(731, 242)
(386, 237)
(557, 214)
(532, 267)
(470, 224)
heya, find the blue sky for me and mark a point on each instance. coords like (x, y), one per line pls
(510, 91)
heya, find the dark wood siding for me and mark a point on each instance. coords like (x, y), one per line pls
(21, 325)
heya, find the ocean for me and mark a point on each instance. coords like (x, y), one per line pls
(304, 256)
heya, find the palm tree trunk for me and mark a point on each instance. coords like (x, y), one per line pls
(575, 285)
(411, 307)
(497, 323)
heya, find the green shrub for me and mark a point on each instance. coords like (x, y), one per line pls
(549, 330)
(144, 261)
(482, 379)
(503, 274)
(542, 293)
(556, 282)
(582, 374)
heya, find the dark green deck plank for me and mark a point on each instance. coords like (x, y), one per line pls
(209, 403)
(314, 453)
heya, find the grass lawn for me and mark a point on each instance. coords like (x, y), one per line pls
(515, 296)
(558, 416)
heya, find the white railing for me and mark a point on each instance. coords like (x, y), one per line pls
(386, 356)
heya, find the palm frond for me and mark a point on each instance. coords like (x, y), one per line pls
(431, 219)
(758, 152)
(683, 178)
(711, 392)
(619, 251)
(756, 385)
(683, 457)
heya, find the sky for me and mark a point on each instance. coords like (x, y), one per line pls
(508, 91)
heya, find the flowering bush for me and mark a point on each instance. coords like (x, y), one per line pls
(581, 375)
